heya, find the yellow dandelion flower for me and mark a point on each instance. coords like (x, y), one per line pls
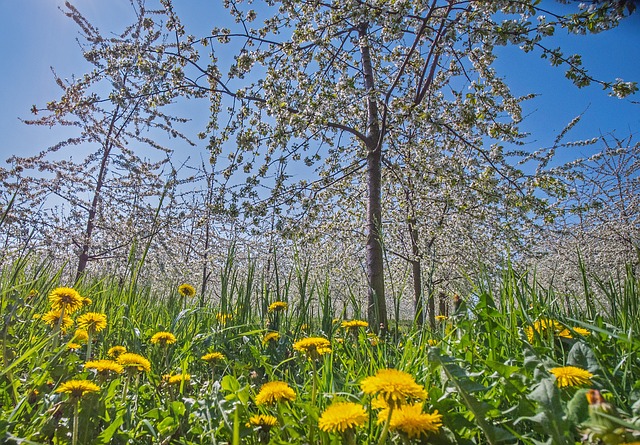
(163, 338)
(269, 337)
(379, 403)
(115, 351)
(394, 386)
(313, 347)
(571, 376)
(51, 318)
(92, 321)
(544, 326)
(186, 290)
(223, 318)
(74, 346)
(78, 388)
(86, 301)
(65, 298)
(410, 420)
(177, 378)
(341, 416)
(354, 324)
(213, 356)
(277, 306)
(81, 336)
(274, 392)
(441, 317)
(262, 421)
(104, 366)
(432, 342)
(564, 333)
(134, 361)
(582, 331)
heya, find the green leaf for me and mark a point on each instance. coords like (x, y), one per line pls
(105, 436)
(150, 427)
(501, 368)
(230, 383)
(459, 379)
(551, 416)
(547, 395)
(168, 426)
(578, 408)
(178, 408)
(154, 413)
(582, 356)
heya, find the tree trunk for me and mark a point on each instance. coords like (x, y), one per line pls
(83, 259)
(377, 310)
(205, 265)
(97, 194)
(416, 271)
(377, 307)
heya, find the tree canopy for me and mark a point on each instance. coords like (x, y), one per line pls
(379, 123)
(400, 94)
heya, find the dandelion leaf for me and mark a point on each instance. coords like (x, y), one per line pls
(105, 436)
(583, 357)
(551, 416)
(578, 408)
(464, 387)
(167, 427)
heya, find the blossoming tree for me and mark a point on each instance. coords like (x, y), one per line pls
(360, 85)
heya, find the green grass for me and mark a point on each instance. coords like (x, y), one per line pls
(484, 370)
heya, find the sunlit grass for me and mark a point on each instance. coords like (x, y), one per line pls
(512, 366)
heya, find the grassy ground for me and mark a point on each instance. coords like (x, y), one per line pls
(489, 373)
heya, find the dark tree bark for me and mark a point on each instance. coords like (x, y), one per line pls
(83, 258)
(416, 269)
(377, 307)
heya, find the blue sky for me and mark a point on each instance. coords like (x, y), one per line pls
(36, 35)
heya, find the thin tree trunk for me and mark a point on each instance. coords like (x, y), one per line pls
(86, 242)
(377, 307)
(416, 267)
(205, 264)
(206, 273)
(97, 195)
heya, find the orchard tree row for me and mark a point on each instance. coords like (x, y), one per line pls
(374, 141)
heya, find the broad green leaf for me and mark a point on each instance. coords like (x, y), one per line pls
(230, 383)
(578, 408)
(501, 368)
(178, 408)
(459, 380)
(105, 436)
(583, 357)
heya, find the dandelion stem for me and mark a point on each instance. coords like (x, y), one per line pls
(58, 331)
(314, 388)
(165, 349)
(135, 402)
(125, 389)
(76, 421)
(89, 343)
(385, 429)
(314, 395)
(349, 436)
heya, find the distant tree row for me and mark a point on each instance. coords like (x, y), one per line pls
(375, 138)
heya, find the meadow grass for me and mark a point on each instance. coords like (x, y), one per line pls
(490, 371)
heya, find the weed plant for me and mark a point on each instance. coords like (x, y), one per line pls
(513, 364)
